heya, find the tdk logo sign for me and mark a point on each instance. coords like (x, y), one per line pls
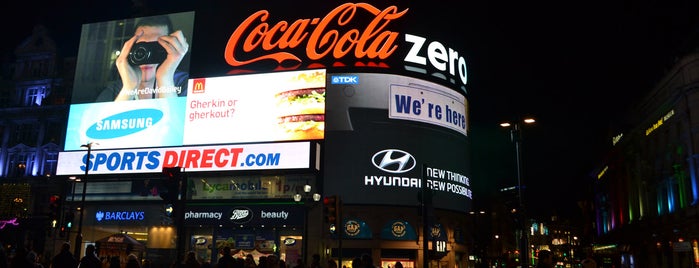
(344, 79)
(393, 161)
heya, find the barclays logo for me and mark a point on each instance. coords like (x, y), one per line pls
(393, 161)
(124, 124)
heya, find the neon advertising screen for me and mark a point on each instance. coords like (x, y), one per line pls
(279, 106)
(381, 91)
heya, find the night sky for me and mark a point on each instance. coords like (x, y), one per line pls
(575, 66)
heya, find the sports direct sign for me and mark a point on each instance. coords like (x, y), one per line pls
(295, 155)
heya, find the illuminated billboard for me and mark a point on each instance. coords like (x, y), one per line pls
(263, 156)
(388, 136)
(381, 90)
(374, 36)
(257, 107)
(130, 83)
(138, 108)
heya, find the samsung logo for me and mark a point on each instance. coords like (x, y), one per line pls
(393, 161)
(124, 124)
(344, 80)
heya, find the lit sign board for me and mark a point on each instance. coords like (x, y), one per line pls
(660, 122)
(234, 109)
(386, 114)
(436, 105)
(247, 187)
(292, 155)
(359, 32)
(336, 36)
(617, 138)
(4, 223)
(258, 107)
(117, 216)
(601, 173)
(232, 215)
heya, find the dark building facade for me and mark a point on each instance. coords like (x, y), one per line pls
(36, 86)
(646, 192)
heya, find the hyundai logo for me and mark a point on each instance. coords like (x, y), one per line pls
(393, 161)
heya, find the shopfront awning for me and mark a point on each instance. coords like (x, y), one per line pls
(356, 229)
(119, 242)
(398, 230)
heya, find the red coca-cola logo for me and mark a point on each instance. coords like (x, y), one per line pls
(319, 36)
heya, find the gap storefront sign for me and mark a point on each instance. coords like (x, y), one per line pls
(244, 214)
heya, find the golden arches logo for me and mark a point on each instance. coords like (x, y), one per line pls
(199, 86)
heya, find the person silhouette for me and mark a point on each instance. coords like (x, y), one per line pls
(64, 259)
(226, 261)
(90, 260)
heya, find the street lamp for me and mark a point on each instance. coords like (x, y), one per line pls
(516, 137)
(297, 198)
(79, 236)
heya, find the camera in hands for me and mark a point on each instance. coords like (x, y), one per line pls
(147, 53)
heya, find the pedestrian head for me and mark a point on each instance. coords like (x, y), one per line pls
(65, 246)
(90, 249)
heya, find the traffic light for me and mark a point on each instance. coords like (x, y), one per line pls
(67, 223)
(54, 207)
(171, 185)
(331, 209)
(69, 220)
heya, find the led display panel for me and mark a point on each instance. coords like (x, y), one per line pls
(380, 88)
(398, 136)
(130, 83)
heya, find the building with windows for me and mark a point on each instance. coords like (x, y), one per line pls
(647, 190)
(35, 99)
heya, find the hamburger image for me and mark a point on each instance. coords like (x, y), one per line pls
(302, 110)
